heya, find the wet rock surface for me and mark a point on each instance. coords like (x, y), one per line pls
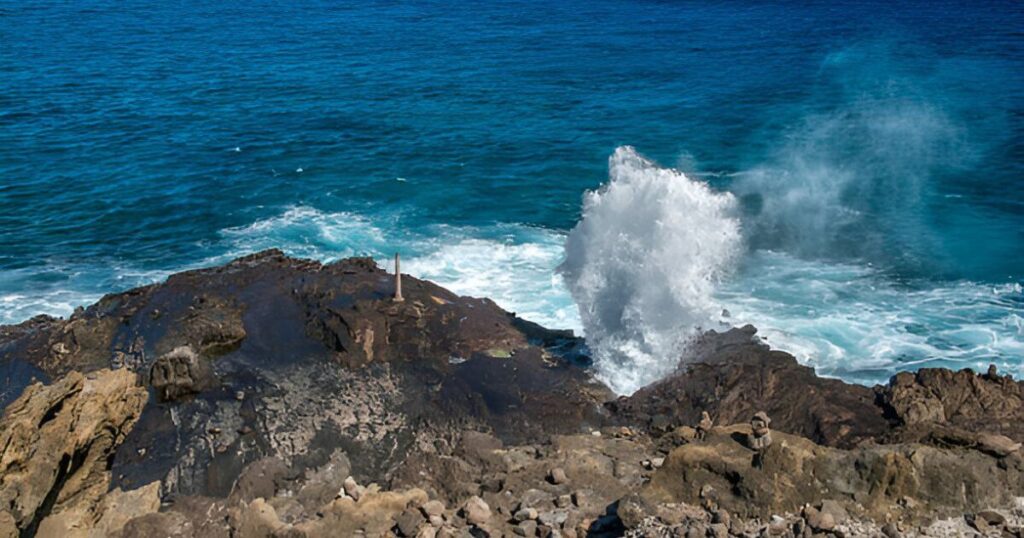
(282, 397)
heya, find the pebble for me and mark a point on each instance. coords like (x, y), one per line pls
(525, 514)
(557, 476)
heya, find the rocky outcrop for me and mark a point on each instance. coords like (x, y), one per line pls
(270, 356)
(283, 397)
(907, 482)
(733, 375)
(57, 442)
(957, 401)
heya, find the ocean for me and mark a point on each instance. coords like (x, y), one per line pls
(846, 176)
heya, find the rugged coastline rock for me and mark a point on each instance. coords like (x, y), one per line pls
(55, 444)
(282, 397)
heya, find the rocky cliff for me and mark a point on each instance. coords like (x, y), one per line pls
(282, 397)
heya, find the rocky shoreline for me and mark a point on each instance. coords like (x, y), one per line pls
(281, 397)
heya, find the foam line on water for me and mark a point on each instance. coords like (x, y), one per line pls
(851, 322)
(845, 319)
(511, 264)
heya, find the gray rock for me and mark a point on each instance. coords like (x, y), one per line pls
(408, 522)
(526, 528)
(836, 510)
(525, 514)
(535, 498)
(553, 518)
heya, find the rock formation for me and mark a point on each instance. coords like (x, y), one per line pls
(283, 397)
(57, 441)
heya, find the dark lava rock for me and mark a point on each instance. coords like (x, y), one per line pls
(271, 380)
(325, 360)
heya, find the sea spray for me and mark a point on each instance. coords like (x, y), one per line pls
(856, 177)
(642, 265)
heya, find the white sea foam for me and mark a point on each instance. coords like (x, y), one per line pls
(517, 276)
(513, 265)
(849, 321)
(642, 265)
(17, 307)
(649, 262)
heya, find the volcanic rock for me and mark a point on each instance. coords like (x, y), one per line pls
(323, 358)
(281, 385)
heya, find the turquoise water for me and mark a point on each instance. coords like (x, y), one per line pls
(865, 162)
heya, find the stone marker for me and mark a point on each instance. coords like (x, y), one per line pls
(398, 280)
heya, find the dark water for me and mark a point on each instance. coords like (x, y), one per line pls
(875, 151)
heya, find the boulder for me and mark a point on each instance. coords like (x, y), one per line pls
(476, 511)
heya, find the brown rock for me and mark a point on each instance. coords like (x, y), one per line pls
(718, 530)
(818, 520)
(993, 518)
(962, 399)
(256, 519)
(57, 440)
(745, 376)
(798, 472)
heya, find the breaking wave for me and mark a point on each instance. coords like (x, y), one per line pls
(643, 263)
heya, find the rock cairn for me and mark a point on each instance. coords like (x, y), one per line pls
(760, 436)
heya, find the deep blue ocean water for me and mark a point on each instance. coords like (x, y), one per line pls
(873, 152)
